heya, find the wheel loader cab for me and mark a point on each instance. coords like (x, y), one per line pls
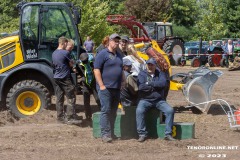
(42, 24)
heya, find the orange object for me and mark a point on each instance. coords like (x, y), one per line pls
(237, 116)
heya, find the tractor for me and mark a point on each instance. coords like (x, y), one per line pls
(159, 31)
(26, 73)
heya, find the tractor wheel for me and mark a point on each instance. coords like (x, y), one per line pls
(210, 61)
(174, 47)
(214, 59)
(27, 98)
(196, 62)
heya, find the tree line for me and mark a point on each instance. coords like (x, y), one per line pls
(192, 19)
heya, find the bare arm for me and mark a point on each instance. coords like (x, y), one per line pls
(99, 80)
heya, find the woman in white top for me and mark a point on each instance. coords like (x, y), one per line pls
(138, 63)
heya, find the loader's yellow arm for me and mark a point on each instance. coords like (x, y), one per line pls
(173, 85)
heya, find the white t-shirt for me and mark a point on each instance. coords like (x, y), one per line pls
(136, 66)
(230, 51)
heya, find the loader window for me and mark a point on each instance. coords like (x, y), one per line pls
(161, 32)
(168, 31)
(55, 22)
(30, 23)
(151, 31)
(29, 31)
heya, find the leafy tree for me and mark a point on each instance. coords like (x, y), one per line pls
(187, 33)
(231, 11)
(211, 23)
(8, 16)
(115, 6)
(94, 22)
(219, 18)
(184, 12)
(148, 10)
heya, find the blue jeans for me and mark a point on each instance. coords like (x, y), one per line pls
(144, 106)
(109, 99)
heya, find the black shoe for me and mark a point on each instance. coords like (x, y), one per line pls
(61, 120)
(72, 121)
(89, 118)
(169, 138)
(142, 138)
(75, 116)
(106, 139)
(114, 137)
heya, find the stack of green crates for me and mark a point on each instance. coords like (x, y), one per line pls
(125, 125)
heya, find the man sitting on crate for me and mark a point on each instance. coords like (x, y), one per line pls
(152, 84)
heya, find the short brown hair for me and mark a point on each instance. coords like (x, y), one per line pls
(62, 40)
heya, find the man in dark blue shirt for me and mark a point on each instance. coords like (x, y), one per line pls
(151, 91)
(64, 86)
(108, 73)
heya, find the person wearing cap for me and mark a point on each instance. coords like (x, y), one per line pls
(109, 76)
(128, 94)
(151, 93)
(123, 45)
(88, 83)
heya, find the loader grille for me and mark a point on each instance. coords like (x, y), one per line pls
(7, 54)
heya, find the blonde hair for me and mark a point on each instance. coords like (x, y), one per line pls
(131, 50)
(71, 41)
(62, 40)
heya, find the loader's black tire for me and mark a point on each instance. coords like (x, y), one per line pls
(196, 62)
(176, 47)
(27, 98)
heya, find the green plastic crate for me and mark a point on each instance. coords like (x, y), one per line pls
(125, 125)
(181, 130)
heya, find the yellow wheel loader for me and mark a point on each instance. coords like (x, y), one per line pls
(26, 74)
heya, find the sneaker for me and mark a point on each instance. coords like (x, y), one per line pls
(142, 138)
(73, 121)
(169, 138)
(106, 139)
